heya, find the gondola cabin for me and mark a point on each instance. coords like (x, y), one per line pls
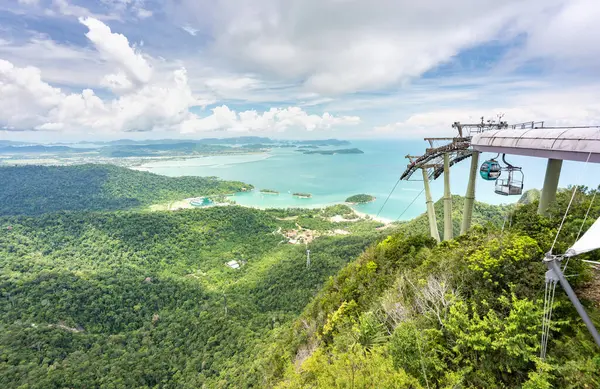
(490, 170)
(512, 185)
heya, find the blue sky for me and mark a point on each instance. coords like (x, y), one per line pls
(102, 69)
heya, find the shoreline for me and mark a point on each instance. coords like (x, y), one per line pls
(185, 204)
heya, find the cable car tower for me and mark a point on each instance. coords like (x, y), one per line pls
(441, 155)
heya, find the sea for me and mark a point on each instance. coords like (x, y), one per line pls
(333, 178)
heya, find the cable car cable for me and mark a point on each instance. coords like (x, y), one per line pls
(390, 195)
(411, 203)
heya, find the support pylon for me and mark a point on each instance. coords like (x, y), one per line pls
(550, 185)
(448, 229)
(433, 228)
(470, 195)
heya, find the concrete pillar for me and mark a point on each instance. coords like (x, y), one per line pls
(470, 195)
(433, 229)
(448, 233)
(550, 185)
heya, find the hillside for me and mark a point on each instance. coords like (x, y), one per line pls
(33, 190)
(483, 214)
(225, 297)
(463, 314)
(141, 299)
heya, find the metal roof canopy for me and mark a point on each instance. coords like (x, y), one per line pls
(572, 144)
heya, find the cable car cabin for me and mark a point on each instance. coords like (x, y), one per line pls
(513, 185)
(490, 170)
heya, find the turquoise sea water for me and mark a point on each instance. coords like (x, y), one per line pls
(333, 178)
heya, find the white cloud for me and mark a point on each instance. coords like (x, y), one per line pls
(274, 120)
(115, 47)
(27, 102)
(190, 30)
(157, 102)
(225, 85)
(65, 8)
(29, 2)
(338, 46)
(60, 64)
(569, 35)
(566, 107)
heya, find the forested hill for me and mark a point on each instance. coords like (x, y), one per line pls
(150, 300)
(33, 190)
(462, 314)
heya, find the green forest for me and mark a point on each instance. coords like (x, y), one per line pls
(462, 314)
(95, 294)
(34, 190)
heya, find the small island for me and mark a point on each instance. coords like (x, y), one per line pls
(269, 191)
(360, 199)
(332, 152)
(302, 195)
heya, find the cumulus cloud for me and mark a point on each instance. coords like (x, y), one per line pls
(338, 46)
(27, 102)
(274, 120)
(157, 102)
(146, 100)
(115, 48)
(569, 35)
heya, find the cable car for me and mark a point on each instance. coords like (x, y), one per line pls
(490, 170)
(513, 184)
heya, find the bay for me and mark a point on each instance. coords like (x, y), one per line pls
(333, 178)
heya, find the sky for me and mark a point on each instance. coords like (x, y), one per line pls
(75, 70)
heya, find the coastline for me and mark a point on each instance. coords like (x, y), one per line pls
(185, 204)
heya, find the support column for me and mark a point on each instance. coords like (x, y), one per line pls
(448, 233)
(470, 195)
(433, 228)
(550, 185)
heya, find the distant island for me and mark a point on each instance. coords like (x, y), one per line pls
(269, 191)
(302, 195)
(332, 152)
(360, 199)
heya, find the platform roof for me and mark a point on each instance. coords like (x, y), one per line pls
(572, 144)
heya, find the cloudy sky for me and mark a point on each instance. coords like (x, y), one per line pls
(103, 69)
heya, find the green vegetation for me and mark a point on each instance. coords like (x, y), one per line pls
(360, 199)
(139, 299)
(332, 152)
(33, 190)
(302, 195)
(530, 196)
(269, 191)
(483, 215)
(130, 298)
(463, 314)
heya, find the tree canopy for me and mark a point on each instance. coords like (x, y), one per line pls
(34, 190)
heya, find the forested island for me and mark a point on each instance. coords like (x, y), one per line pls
(333, 152)
(302, 195)
(269, 191)
(360, 199)
(97, 295)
